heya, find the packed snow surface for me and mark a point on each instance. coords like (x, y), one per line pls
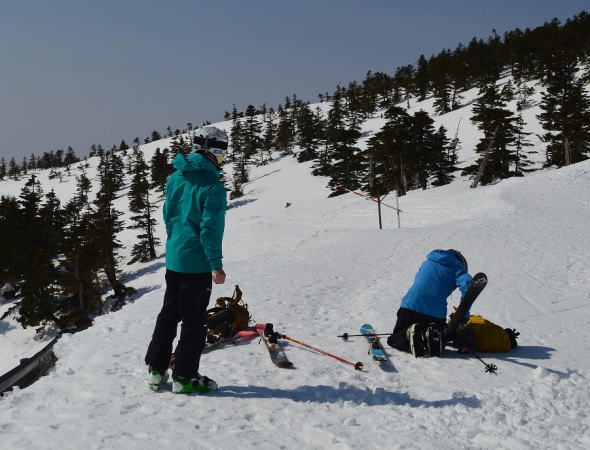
(318, 268)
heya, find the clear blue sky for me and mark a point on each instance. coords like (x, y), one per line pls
(80, 72)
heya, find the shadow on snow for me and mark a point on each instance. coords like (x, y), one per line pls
(343, 393)
(238, 203)
(152, 268)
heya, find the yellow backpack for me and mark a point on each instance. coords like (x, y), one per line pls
(490, 337)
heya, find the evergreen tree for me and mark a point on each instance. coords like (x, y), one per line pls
(441, 82)
(111, 171)
(523, 93)
(40, 231)
(10, 230)
(2, 168)
(155, 136)
(387, 150)
(422, 78)
(13, 169)
(80, 266)
(83, 186)
(160, 169)
(32, 162)
(70, 157)
(421, 162)
(445, 158)
(143, 218)
(106, 227)
(521, 143)
(342, 134)
(405, 78)
(270, 132)
(566, 114)
(498, 126)
(238, 157)
(308, 133)
(251, 141)
(285, 130)
(180, 146)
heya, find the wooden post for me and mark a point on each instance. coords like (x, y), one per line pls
(371, 185)
(566, 149)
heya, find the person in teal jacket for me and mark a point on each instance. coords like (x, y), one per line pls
(421, 317)
(194, 214)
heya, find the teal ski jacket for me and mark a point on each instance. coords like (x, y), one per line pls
(194, 214)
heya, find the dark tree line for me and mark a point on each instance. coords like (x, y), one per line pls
(417, 155)
(58, 260)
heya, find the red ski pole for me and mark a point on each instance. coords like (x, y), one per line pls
(357, 366)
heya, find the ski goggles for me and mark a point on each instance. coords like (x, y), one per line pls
(204, 143)
(219, 153)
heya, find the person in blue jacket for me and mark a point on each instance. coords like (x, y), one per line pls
(194, 214)
(421, 318)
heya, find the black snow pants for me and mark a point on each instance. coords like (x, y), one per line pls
(186, 300)
(405, 318)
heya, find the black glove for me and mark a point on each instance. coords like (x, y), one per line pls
(512, 334)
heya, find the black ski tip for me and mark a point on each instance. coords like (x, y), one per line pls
(480, 277)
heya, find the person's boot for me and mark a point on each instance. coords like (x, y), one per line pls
(156, 378)
(415, 335)
(198, 385)
(434, 340)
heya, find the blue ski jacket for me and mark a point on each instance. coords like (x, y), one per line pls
(194, 214)
(436, 279)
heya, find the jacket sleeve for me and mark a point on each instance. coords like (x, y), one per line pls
(213, 224)
(463, 281)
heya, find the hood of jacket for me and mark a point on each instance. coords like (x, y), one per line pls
(193, 162)
(446, 258)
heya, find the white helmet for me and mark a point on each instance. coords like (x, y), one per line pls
(212, 140)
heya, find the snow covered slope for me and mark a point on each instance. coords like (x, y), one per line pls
(319, 268)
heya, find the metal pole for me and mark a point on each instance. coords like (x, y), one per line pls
(371, 186)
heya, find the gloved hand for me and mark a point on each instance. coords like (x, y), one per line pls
(512, 334)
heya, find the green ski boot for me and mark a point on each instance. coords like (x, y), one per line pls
(156, 379)
(199, 385)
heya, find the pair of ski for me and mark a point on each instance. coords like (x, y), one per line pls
(241, 336)
(277, 354)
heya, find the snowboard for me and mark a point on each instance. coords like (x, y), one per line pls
(276, 353)
(375, 347)
(478, 283)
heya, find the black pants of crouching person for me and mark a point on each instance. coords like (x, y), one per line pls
(405, 318)
(186, 300)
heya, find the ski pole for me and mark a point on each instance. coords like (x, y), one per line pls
(490, 368)
(345, 336)
(357, 366)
